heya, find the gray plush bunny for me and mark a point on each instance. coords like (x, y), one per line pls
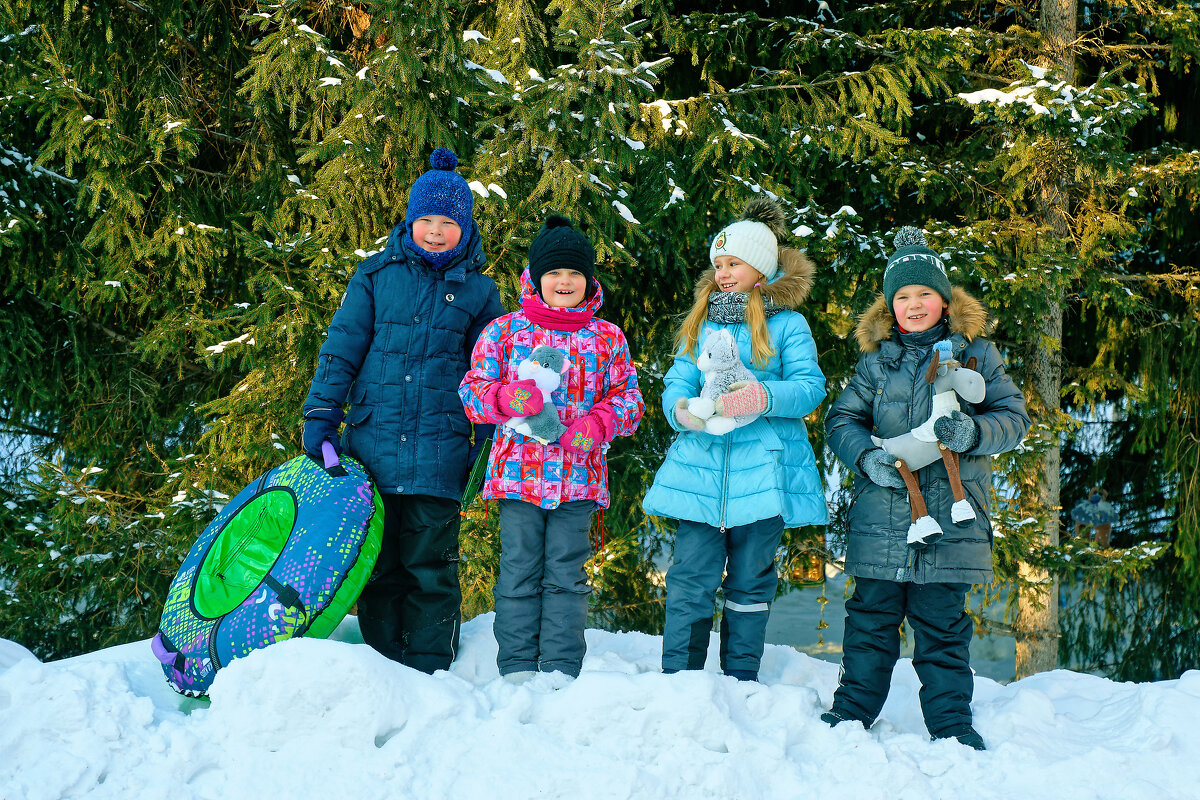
(723, 372)
(545, 366)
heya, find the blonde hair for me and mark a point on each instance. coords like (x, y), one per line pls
(687, 338)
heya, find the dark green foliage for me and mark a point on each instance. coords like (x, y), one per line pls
(185, 189)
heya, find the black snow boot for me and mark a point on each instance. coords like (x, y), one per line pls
(965, 735)
(833, 718)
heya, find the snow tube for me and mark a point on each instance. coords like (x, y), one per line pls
(286, 557)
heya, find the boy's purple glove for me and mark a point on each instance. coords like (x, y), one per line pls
(519, 399)
(686, 418)
(588, 432)
(320, 425)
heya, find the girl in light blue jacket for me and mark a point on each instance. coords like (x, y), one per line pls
(733, 494)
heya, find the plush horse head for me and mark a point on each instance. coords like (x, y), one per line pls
(946, 374)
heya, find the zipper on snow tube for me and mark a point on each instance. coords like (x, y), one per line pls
(216, 623)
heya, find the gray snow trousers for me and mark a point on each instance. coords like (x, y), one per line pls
(542, 591)
(746, 555)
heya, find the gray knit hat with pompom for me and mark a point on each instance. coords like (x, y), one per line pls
(914, 263)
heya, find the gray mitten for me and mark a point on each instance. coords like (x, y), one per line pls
(957, 431)
(881, 468)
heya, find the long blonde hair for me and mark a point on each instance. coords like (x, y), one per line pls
(687, 338)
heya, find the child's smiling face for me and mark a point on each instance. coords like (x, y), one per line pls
(563, 288)
(435, 233)
(735, 275)
(917, 308)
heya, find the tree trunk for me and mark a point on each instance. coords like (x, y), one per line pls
(1036, 625)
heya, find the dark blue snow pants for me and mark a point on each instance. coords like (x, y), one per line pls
(409, 609)
(746, 556)
(941, 633)
(542, 591)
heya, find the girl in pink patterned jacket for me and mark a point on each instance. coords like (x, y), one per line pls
(548, 492)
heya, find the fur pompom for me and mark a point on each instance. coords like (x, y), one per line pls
(768, 212)
(556, 221)
(443, 158)
(909, 237)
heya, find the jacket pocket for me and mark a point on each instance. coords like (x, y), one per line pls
(358, 438)
(458, 424)
(359, 409)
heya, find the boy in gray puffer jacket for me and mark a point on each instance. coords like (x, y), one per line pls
(887, 396)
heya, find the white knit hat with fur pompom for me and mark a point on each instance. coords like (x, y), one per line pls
(754, 238)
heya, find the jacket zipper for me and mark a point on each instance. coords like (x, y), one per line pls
(724, 487)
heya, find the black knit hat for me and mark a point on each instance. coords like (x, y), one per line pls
(559, 245)
(914, 263)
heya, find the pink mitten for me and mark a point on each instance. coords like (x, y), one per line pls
(519, 398)
(583, 435)
(746, 400)
(686, 418)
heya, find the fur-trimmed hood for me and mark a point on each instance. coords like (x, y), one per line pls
(967, 317)
(788, 289)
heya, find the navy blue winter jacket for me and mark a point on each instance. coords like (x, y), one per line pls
(397, 348)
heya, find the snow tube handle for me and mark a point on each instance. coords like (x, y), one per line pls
(332, 463)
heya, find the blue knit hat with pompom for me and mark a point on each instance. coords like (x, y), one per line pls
(440, 191)
(914, 263)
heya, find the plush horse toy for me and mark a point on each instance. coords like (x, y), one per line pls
(920, 446)
(723, 372)
(545, 365)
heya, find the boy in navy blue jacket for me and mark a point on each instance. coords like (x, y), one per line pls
(397, 349)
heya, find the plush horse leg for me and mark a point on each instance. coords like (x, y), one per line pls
(961, 512)
(924, 529)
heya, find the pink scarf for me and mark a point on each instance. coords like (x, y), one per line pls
(556, 319)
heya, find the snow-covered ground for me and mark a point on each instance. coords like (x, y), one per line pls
(330, 719)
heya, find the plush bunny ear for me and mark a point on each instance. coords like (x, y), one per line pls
(566, 365)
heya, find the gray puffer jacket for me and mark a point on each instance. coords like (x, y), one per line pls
(888, 396)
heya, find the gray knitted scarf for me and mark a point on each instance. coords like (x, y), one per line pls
(730, 307)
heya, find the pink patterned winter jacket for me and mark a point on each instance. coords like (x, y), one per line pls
(600, 381)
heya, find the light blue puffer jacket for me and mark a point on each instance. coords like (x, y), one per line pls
(764, 469)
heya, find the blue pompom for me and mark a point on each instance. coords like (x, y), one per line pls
(443, 158)
(909, 237)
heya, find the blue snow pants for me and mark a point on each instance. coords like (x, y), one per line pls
(542, 591)
(746, 556)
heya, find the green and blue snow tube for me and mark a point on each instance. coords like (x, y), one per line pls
(288, 556)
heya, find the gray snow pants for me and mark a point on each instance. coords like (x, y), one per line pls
(542, 591)
(746, 554)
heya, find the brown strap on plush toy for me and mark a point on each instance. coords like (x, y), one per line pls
(915, 500)
(950, 459)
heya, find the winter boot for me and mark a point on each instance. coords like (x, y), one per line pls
(833, 718)
(520, 677)
(964, 734)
